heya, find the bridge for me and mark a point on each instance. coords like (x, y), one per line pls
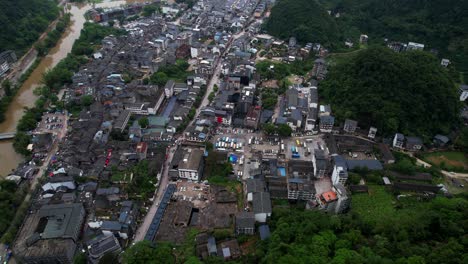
(9, 135)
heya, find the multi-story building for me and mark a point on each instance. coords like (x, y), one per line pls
(320, 163)
(398, 141)
(340, 170)
(350, 126)
(190, 165)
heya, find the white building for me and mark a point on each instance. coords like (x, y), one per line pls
(191, 165)
(398, 140)
(372, 132)
(414, 46)
(340, 170)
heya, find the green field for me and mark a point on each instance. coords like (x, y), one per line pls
(380, 205)
(451, 161)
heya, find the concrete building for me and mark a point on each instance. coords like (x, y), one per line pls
(340, 170)
(344, 198)
(326, 123)
(320, 163)
(261, 206)
(372, 132)
(245, 223)
(398, 140)
(350, 126)
(191, 165)
(50, 234)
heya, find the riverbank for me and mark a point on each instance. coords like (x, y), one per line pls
(25, 98)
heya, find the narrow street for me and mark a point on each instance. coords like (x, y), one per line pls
(158, 195)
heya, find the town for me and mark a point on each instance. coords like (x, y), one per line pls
(193, 118)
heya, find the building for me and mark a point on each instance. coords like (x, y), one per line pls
(350, 126)
(340, 170)
(413, 143)
(320, 163)
(254, 186)
(245, 223)
(327, 201)
(102, 245)
(414, 46)
(326, 123)
(253, 117)
(372, 132)
(7, 58)
(50, 234)
(261, 206)
(398, 140)
(363, 39)
(445, 62)
(122, 121)
(169, 88)
(463, 91)
(441, 140)
(191, 165)
(344, 198)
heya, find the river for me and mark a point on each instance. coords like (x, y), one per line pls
(9, 159)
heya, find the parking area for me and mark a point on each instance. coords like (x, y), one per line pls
(55, 123)
(302, 148)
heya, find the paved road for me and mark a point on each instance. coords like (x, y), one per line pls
(158, 195)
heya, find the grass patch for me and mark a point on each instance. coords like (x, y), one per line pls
(451, 160)
(378, 204)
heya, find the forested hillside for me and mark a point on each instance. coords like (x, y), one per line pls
(439, 24)
(396, 92)
(304, 19)
(23, 21)
(416, 233)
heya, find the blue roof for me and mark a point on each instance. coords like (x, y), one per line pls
(264, 231)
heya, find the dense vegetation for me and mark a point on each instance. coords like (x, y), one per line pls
(23, 21)
(395, 92)
(13, 211)
(306, 20)
(439, 24)
(177, 72)
(411, 232)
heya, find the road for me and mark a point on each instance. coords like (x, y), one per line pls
(158, 195)
(449, 174)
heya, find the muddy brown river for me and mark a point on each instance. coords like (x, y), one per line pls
(9, 159)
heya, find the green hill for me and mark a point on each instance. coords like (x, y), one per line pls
(23, 21)
(396, 92)
(439, 24)
(304, 19)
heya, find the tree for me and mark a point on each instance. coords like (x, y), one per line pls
(269, 128)
(6, 86)
(143, 122)
(411, 78)
(284, 130)
(145, 252)
(462, 140)
(87, 100)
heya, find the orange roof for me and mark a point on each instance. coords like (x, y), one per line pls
(329, 196)
(142, 147)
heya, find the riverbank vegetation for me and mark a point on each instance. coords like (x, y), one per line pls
(396, 92)
(56, 78)
(12, 208)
